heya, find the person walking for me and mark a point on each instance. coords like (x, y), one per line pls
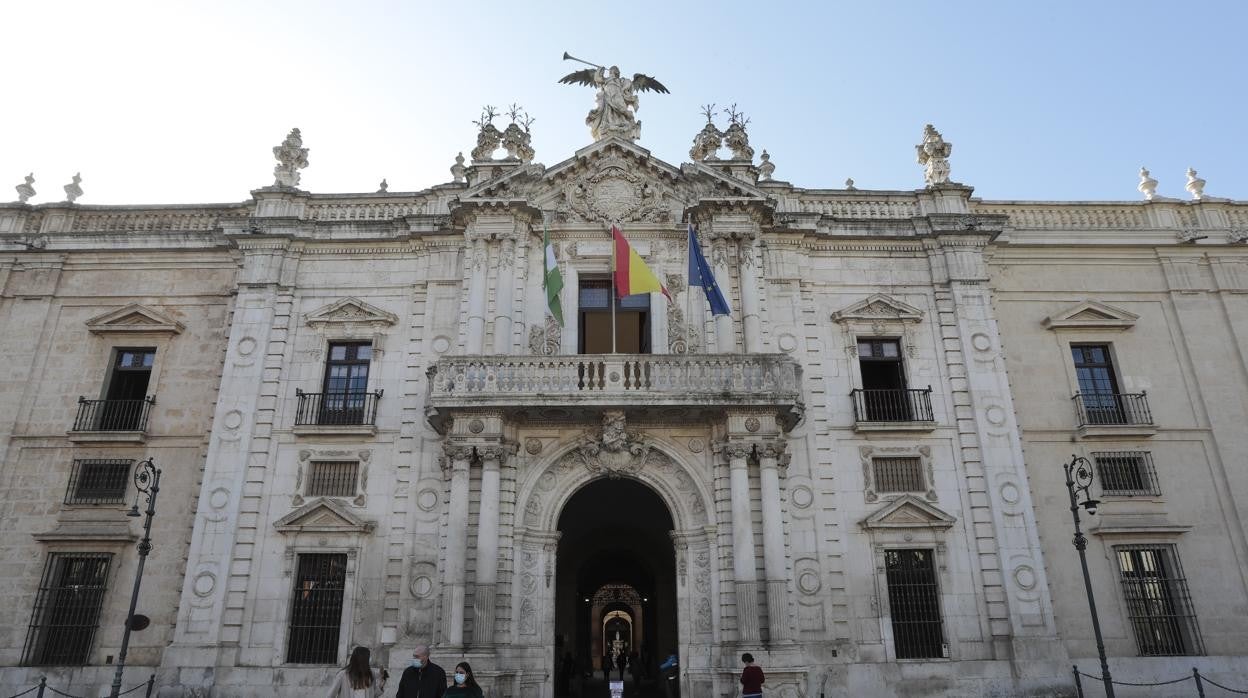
(621, 662)
(423, 678)
(465, 685)
(606, 667)
(358, 680)
(751, 678)
(634, 667)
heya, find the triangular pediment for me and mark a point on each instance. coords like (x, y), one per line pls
(1091, 314)
(134, 318)
(350, 311)
(876, 308)
(322, 516)
(908, 511)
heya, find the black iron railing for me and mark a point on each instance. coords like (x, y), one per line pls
(113, 415)
(1112, 408)
(337, 409)
(893, 405)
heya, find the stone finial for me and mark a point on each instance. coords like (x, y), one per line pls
(516, 137)
(488, 137)
(1195, 185)
(708, 140)
(291, 157)
(458, 170)
(72, 190)
(933, 155)
(381, 188)
(25, 190)
(849, 183)
(765, 166)
(735, 137)
(1147, 185)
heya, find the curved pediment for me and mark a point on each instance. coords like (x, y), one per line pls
(1091, 314)
(134, 318)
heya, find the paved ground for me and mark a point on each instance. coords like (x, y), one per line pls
(597, 688)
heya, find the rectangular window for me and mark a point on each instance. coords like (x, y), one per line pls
(1098, 386)
(898, 475)
(632, 319)
(914, 604)
(1126, 473)
(1159, 606)
(346, 383)
(332, 478)
(125, 398)
(98, 481)
(884, 397)
(316, 608)
(67, 609)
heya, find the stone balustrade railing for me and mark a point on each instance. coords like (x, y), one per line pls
(602, 380)
(363, 211)
(1070, 217)
(142, 221)
(861, 208)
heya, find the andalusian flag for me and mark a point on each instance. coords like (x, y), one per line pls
(632, 276)
(552, 280)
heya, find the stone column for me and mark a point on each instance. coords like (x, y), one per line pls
(504, 286)
(476, 261)
(485, 591)
(459, 457)
(750, 327)
(743, 543)
(720, 249)
(770, 456)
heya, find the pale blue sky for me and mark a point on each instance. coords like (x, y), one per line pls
(175, 102)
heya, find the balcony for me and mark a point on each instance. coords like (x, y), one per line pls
(901, 409)
(111, 420)
(342, 413)
(565, 387)
(1113, 414)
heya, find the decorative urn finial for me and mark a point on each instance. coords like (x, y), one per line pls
(1147, 185)
(72, 190)
(1195, 185)
(25, 190)
(291, 157)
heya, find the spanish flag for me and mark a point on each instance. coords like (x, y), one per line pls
(632, 276)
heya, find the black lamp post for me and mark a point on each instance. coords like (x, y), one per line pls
(1078, 480)
(147, 483)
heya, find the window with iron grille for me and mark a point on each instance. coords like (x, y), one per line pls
(1158, 603)
(914, 603)
(1126, 473)
(316, 608)
(332, 478)
(98, 481)
(898, 474)
(67, 609)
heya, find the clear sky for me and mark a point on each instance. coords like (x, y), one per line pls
(174, 102)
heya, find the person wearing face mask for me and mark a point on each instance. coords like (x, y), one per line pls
(358, 680)
(422, 678)
(465, 685)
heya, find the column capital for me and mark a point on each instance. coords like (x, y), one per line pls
(773, 450)
(735, 450)
(496, 453)
(456, 453)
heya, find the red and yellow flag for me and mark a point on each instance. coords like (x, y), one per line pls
(630, 272)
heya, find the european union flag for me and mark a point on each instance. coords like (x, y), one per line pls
(700, 275)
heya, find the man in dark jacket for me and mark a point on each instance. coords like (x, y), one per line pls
(423, 678)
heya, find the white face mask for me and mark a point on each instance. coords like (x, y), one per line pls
(416, 664)
(460, 678)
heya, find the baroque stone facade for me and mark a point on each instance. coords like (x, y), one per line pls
(894, 382)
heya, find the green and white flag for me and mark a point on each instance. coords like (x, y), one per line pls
(552, 280)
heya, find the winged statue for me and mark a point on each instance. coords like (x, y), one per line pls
(612, 114)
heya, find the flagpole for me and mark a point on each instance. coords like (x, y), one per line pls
(545, 271)
(614, 291)
(688, 290)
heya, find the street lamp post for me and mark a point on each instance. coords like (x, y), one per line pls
(1078, 480)
(147, 483)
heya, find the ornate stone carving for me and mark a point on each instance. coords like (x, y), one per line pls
(457, 452)
(752, 424)
(614, 451)
(703, 619)
(933, 155)
(1195, 185)
(1147, 185)
(613, 192)
(682, 337)
(709, 139)
(532, 446)
(72, 190)
(291, 157)
(612, 115)
(737, 140)
(25, 190)
(545, 340)
(458, 170)
(1238, 236)
(766, 168)
(488, 137)
(735, 451)
(516, 137)
(528, 619)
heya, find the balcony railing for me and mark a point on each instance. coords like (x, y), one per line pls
(1107, 409)
(113, 415)
(892, 405)
(588, 380)
(337, 409)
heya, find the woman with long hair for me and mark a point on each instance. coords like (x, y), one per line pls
(358, 680)
(463, 684)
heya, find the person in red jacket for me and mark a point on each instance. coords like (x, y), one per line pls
(751, 678)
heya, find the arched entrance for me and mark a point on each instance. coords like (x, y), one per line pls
(616, 579)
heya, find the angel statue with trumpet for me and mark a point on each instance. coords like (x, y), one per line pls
(611, 115)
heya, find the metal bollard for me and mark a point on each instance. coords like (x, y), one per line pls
(43, 684)
(1078, 683)
(1200, 686)
(151, 683)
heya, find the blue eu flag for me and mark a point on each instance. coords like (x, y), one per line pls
(700, 275)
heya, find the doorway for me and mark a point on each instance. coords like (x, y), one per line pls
(615, 596)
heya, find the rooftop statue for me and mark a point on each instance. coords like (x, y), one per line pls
(616, 103)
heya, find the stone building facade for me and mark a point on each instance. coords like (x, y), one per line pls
(375, 434)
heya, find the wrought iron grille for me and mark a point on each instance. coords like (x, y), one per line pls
(338, 409)
(113, 415)
(1126, 473)
(1112, 408)
(67, 609)
(1159, 605)
(316, 609)
(98, 481)
(332, 478)
(898, 474)
(893, 405)
(914, 603)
